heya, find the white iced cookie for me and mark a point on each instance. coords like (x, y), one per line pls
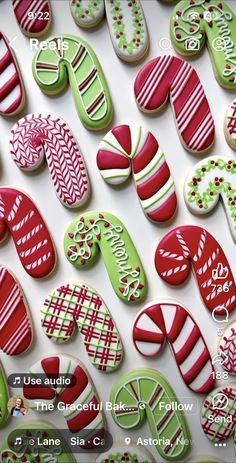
(131, 453)
(87, 13)
(230, 125)
(128, 29)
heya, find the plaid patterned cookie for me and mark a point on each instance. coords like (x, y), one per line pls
(78, 304)
(218, 416)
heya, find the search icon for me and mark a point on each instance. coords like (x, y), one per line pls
(165, 43)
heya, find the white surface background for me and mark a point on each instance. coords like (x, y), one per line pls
(123, 202)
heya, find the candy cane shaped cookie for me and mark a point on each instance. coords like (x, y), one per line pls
(227, 349)
(128, 29)
(95, 231)
(78, 304)
(210, 179)
(80, 399)
(40, 451)
(38, 135)
(119, 453)
(218, 414)
(12, 94)
(126, 144)
(33, 16)
(15, 324)
(136, 397)
(168, 76)
(230, 125)
(31, 237)
(196, 23)
(190, 245)
(87, 13)
(4, 396)
(71, 58)
(168, 320)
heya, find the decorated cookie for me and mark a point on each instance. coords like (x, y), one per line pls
(136, 398)
(210, 179)
(170, 77)
(12, 94)
(122, 453)
(168, 320)
(32, 240)
(36, 136)
(196, 23)
(4, 396)
(218, 415)
(128, 29)
(132, 148)
(15, 324)
(87, 13)
(230, 125)
(80, 399)
(70, 58)
(44, 453)
(227, 349)
(187, 246)
(78, 304)
(95, 231)
(33, 16)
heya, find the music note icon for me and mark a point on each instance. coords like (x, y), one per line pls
(18, 441)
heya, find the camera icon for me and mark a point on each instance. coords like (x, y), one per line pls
(192, 44)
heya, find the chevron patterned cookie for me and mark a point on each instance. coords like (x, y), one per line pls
(37, 136)
(76, 304)
(227, 349)
(230, 125)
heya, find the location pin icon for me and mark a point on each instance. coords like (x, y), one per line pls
(127, 440)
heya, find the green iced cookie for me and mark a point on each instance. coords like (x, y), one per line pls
(146, 395)
(41, 450)
(70, 58)
(196, 23)
(95, 231)
(87, 13)
(131, 453)
(4, 396)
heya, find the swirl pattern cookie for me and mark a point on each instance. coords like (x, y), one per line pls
(68, 57)
(196, 23)
(95, 231)
(33, 16)
(136, 397)
(120, 453)
(45, 453)
(129, 148)
(187, 246)
(15, 324)
(210, 179)
(167, 320)
(82, 392)
(227, 349)
(218, 415)
(31, 237)
(36, 136)
(12, 94)
(87, 13)
(128, 29)
(230, 125)
(76, 304)
(170, 77)
(4, 396)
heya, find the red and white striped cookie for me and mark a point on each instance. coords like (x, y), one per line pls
(227, 349)
(128, 147)
(82, 412)
(169, 76)
(12, 94)
(36, 136)
(163, 320)
(15, 324)
(230, 125)
(33, 16)
(32, 240)
(187, 246)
